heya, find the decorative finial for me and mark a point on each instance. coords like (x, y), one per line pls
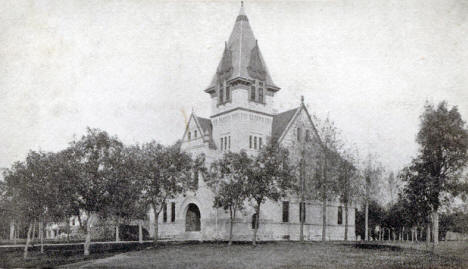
(302, 99)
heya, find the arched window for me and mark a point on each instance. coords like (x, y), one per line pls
(192, 219)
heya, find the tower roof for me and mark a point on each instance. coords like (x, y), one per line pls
(242, 57)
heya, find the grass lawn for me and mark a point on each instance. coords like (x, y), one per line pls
(284, 255)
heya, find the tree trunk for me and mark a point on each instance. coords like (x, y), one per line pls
(41, 235)
(435, 228)
(140, 232)
(428, 234)
(257, 218)
(33, 233)
(28, 238)
(346, 222)
(88, 235)
(324, 219)
(156, 220)
(230, 226)
(366, 237)
(117, 234)
(12, 229)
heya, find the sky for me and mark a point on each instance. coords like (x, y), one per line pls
(138, 68)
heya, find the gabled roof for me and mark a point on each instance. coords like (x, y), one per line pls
(207, 127)
(242, 57)
(281, 121)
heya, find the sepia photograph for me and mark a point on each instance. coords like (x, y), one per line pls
(234, 134)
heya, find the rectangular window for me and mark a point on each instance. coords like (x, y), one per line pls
(302, 212)
(299, 134)
(260, 95)
(340, 215)
(189, 136)
(260, 143)
(307, 138)
(229, 142)
(172, 212)
(285, 211)
(228, 93)
(252, 93)
(164, 213)
(250, 142)
(221, 144)
(195, 134)
(255, 142)
(225, 143)
(221, 95)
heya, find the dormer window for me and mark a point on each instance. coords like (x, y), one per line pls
(257, 92)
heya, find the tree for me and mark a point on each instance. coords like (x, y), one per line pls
(443, 142)
(372, 173)
(94, 157)
(348, 185)
(26, 187)
(229, 183)
(125, 189)
(270, 177)
(325, 169)
(166, 172)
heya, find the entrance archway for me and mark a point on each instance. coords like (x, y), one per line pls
(192, 218)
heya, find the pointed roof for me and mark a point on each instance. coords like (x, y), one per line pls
(242, 57)
(281, 121)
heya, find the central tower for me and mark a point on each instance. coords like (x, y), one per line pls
(241, 92)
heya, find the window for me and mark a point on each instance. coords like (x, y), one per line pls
(172, 212)
(189, 136)
(73, 221)
(250, 142)
(302, 212)
(195, 134)
(299, 134)
(228, 93)
(254, 218)
(225, 143)
(221, 95)
(221, 143)
(252, 93)
(340, 215)
(307, 138)
(255, 142)
(260, 95)
(164, 213)
(285, 211)
(260, 144)
(229, 142)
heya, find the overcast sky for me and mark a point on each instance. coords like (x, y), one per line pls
(137, 68)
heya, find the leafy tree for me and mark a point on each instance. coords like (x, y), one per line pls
(443, 142)
(95, 157)
(165, 173)
(26, 187)
(229, 183)
(270, 177)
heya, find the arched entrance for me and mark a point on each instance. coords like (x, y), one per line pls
(192, 218)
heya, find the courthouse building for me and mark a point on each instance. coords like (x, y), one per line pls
(243, 117)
